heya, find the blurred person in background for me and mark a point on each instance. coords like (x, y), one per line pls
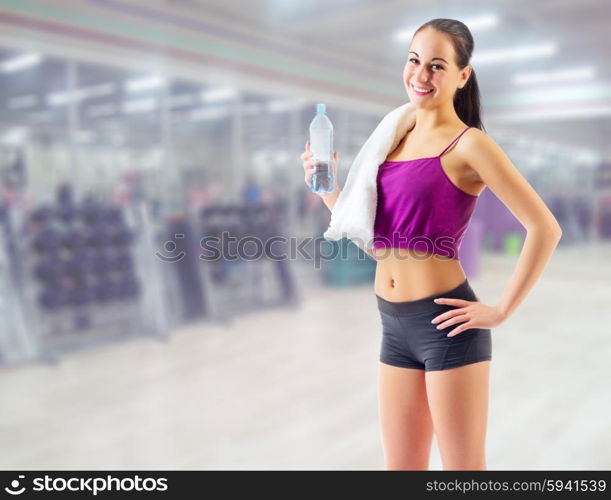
(436, 343)
(252, 192)
(128, 190)
(199, 193)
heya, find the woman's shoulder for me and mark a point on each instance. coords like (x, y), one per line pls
(471, 141)
(474, 145)
(473, 138)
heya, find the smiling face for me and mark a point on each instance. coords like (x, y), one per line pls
(431, 65)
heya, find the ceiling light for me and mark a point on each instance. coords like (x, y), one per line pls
(139, 105)
(146, 83)
(20, 62)
(481, 22)
(484, 21)
(60, 98)
(557, 114)
(502, 56)
(585, 73)
(218, 94)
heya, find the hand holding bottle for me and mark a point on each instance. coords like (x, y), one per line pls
(309, 167)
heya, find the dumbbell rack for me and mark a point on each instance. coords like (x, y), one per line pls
(233, 287)
(82, 291)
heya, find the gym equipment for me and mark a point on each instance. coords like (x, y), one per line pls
(81, 275)
(96, 236)
(103, 261)
(113, 216)
(42, 214)
(81, 294)
(128, 287)
(81, 259)
(52, 299)
(65, 209)
(66, 213)
(235, 284)
(121, 236)
(185, 243)
(48, 239)
(103, 289)
(90, 212)
(122, 261)
(74, 237)
(49, 269)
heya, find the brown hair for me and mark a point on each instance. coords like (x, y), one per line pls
(466, 100)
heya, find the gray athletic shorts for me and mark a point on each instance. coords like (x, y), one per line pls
(410, 340)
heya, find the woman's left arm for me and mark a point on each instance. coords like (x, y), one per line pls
(497, 171)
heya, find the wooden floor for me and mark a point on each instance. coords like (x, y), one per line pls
(296, 389)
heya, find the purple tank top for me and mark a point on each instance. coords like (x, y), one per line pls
(419, 207)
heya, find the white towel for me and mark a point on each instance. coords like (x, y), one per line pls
(354, 212)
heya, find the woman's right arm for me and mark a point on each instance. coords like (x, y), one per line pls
(329, 199)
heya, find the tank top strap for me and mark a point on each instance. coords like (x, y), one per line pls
(452, 143)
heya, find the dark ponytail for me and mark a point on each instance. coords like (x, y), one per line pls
(466, 100)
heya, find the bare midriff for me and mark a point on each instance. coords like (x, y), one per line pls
(404, 274)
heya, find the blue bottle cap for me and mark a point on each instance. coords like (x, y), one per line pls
(321, 109)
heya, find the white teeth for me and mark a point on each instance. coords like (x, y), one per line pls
(422, 90)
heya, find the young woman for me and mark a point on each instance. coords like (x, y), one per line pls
(435, 354)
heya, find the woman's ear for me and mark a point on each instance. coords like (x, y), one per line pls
(467, 74)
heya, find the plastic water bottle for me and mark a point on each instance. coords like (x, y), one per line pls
(321, 146)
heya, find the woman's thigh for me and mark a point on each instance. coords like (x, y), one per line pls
(406, 425)
(458, 402)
